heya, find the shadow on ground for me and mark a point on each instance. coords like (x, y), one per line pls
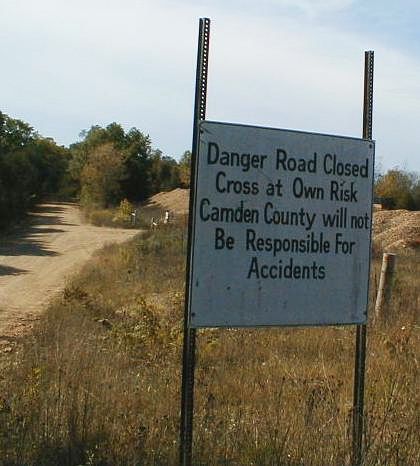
(25, 242)
(6, 270)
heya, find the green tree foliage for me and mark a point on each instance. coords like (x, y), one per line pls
(107, 165)
(185, 168)
(30, 166)
(137, 185)
(399, 189)
(146, 171)
(135, 147)
(164, 172)
(14, 134)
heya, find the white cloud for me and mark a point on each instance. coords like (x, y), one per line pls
(73, 64)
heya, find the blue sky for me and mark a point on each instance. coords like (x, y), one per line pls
(280, 63)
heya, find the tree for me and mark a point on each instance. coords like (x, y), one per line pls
(164, 172)
(416, 194)
(102, 175)
(52, 163)
(399, 189)
(14, 134)
(136, 148)
(30, 166)
(185, 168)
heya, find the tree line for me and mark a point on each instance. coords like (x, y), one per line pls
(106, 165)
(30, 167)
(109, 164)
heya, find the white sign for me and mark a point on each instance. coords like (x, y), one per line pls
(281, 228)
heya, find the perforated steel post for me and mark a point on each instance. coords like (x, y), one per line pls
(188, 358)
(361, 330)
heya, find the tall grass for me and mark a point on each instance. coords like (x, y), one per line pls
(98, 382)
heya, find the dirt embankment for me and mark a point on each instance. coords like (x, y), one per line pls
(36, 262)
(396, 230)
(176, 201)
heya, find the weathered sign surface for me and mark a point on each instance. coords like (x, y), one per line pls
(281, 228)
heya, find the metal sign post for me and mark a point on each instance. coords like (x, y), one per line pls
(276, 213)
(188, 357)
(359, 370)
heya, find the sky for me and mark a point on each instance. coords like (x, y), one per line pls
(293, 64)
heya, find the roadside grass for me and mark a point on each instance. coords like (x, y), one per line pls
(98, 382)
(115, 218)
(107, 218)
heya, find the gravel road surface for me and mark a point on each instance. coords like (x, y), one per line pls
(36, 262)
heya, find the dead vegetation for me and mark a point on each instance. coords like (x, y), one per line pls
(98, 382)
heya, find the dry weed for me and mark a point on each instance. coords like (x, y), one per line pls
(98, 383)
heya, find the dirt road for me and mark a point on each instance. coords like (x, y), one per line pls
(36, 262)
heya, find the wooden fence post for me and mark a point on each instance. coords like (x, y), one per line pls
(383, 296)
